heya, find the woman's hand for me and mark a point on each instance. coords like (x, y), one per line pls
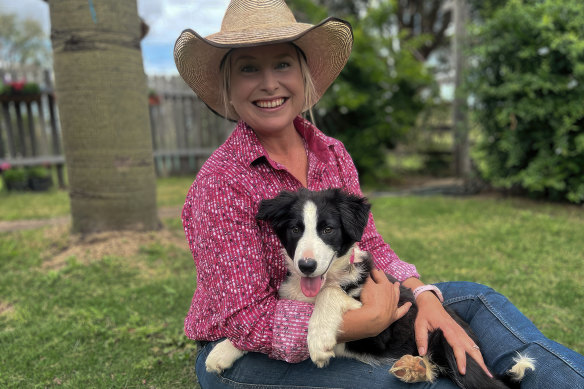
(431, 316)
(379, 298)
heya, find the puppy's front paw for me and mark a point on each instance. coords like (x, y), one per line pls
(321, 348)
(222, 357)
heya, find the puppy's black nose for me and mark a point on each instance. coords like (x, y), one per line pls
(307, 265)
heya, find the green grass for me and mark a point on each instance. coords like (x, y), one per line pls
(110, 322)
(116, 319)
(531, 252)
(171, 191)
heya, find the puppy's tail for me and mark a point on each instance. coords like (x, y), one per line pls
(523, 363)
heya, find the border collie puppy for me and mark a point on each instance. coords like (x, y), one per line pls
(319, 232)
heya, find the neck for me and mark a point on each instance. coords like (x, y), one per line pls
(281, 144)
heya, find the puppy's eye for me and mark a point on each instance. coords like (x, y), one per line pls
(327, 230)
(295, 230)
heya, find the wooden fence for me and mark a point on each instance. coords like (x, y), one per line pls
(184, 131)
(29, 130)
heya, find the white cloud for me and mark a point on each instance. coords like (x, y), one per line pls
(28, 9)
(166, 18)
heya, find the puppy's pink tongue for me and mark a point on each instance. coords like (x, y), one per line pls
(310, 285)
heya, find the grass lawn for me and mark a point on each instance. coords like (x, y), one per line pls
(170, 191)
(108, 311)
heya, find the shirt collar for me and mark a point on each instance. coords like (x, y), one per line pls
(252, 150)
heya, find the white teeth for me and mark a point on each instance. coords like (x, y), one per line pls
(270, 103)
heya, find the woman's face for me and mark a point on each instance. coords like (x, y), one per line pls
(267, 90)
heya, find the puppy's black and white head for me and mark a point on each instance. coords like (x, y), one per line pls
(315, 229)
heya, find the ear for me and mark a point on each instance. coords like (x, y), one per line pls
(275, 209)
(354, 214)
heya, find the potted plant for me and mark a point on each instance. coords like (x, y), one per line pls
(19, 91)
(15, 179)
(39, 178)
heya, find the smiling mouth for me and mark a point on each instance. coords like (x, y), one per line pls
(270, 103)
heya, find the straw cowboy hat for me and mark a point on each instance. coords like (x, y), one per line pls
(246, 23)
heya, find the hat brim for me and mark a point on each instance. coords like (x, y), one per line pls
(327, 47)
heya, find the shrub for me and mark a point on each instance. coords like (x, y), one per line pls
(38, 172)
(15, 179)
(529, 86)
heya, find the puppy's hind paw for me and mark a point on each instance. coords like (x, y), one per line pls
(413, 369)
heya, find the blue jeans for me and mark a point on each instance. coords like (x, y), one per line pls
(500, 327)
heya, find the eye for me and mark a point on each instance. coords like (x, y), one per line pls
(248, 69)
(283, 65)
(295, 230)
(327, 230)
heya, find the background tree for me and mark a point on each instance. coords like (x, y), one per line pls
(102, 96)
(22, 43)
(376, 99)
(426, 21)
(529, 86)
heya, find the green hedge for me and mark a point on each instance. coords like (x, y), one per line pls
(529, 86)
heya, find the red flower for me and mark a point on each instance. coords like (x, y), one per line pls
(17, 85)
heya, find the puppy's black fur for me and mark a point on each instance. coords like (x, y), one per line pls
(348, 215)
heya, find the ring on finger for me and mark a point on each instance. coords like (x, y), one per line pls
(474, 346)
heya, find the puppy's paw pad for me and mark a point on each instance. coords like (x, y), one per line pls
(413, 369)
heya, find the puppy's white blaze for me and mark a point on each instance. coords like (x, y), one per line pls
(311, 244)
(522, 364)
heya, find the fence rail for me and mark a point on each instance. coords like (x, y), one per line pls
(184, 132)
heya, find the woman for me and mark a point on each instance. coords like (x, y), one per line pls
(264, 69)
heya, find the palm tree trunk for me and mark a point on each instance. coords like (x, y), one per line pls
(102, 96)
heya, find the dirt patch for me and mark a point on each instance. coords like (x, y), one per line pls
(94, 247)
(6, 308)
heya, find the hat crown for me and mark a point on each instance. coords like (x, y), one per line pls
(245, 14)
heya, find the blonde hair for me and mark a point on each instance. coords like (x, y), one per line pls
(310, 95)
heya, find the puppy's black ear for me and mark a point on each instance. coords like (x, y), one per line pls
(277, 208)
(354, 214)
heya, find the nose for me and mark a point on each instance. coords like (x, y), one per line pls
(307, 265)
(270, 80)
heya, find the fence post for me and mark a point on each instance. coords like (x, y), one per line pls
(54, 127)
(33, 141)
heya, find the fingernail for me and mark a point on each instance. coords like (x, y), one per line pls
(421, 351)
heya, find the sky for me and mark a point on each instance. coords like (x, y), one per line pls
(166, 18)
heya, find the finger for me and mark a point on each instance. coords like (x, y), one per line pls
(378, 276)
(478, 357)
(401, 311)
(421, 333)
(396, 290)
(460, 355)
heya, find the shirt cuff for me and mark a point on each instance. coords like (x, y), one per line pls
(290, 331)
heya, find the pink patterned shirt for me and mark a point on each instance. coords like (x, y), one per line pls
(238, 259)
